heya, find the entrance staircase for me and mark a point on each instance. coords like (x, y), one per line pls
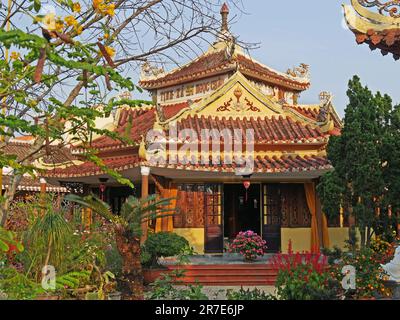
(245, 274)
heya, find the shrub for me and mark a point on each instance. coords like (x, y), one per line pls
(163, 244)
(249, 244)
(245, 295)
(304, 277)
(369, 274)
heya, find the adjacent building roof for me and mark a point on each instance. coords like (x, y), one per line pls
(380, 29)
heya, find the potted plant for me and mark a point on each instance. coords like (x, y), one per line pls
(249, 244)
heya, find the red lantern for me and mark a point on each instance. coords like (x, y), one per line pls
(102, 190)
(246, 185)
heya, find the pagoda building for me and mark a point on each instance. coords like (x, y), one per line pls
(258, 170)
(376, 23)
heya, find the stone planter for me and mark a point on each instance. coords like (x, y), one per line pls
(395, 287)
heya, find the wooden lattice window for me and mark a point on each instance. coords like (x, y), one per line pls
(294, 207)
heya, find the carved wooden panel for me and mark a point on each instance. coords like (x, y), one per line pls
(190, 207)
(295, 211)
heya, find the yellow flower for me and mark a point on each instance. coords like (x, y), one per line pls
(15, 55)
(106, 36)
(70, 21)
(110, 51)
(76, 7)
(49, 22)
(96, 4)
(59, 26)
(78, 29)
(110, 9)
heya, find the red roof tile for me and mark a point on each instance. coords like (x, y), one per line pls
(217, 63)
(312, 113)
(283, 164)
(131, 124)
(89, 168)
(267, 130)
(386, 40)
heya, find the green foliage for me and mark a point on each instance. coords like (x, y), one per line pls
(7, 239)
(369, 274)
(113, 260)
(365, 158)
(133, 213)
(17, 286)
(251, 295)
(50, 231)
(168, 287)
(303, 277)
(72, 280)
(164, 244)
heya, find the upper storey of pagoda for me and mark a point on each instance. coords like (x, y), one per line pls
(376, 23)
(211, 70)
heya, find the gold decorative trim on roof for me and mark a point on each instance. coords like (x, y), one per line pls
(361, 19)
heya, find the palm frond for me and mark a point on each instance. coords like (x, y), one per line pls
(94, 203)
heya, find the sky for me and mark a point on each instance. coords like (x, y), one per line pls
(291, 32)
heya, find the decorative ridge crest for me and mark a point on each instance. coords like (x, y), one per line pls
(388, 8)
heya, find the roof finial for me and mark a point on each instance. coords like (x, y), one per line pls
(224, 14)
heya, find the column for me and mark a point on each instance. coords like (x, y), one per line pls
(145, 172)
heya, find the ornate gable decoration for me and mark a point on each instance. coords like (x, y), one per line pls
(236, 98)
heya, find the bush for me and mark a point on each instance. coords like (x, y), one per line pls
(247, 295)
(163, 244)
(304, 277)
(369, 274)
(249, 244)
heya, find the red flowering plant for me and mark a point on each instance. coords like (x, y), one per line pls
(249, 244)
(303, 276)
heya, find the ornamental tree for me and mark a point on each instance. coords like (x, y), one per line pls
(61, 62)
(364, 179)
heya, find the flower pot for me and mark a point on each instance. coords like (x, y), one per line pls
(151, 275)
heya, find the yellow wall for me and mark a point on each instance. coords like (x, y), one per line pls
(195, 236)
(301, 238)
(337, 237)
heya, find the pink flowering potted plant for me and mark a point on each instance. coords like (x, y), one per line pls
(249, 244)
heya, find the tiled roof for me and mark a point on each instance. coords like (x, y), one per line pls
(216, 63)
(266, 164)
(273, 130)
(23, 150)
(312, 113)
(131, 124)
(31, 185)
(89, 168)
(171, 110)
(386, 40)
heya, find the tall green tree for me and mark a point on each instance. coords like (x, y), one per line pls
(361, 158)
